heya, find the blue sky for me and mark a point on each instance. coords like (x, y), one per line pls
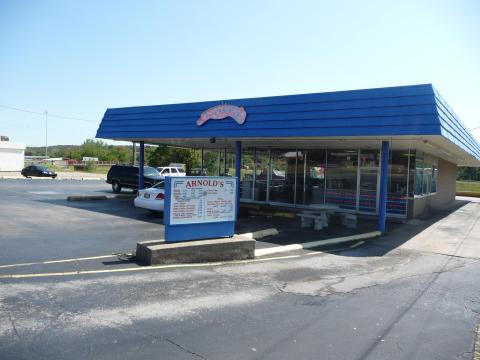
(77, 58)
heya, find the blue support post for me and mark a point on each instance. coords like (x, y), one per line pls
(141, 164)
(382, 205)
(238, 167)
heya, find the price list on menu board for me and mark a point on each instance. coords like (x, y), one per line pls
(202, 199)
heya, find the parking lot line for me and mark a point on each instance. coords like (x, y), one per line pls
(61, 261)
(145, 268)
(255, 235)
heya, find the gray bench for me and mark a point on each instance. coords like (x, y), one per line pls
(349, 220)
(318, 220)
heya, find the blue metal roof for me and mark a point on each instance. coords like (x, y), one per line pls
(453, 129)
(382, 112)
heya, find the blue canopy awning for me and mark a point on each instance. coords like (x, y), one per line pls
(383, 113)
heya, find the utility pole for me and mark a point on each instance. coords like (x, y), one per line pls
(46, 134)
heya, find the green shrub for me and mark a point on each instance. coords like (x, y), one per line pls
(91, 166)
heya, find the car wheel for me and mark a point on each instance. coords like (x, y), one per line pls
(54, 176)
(116, 187)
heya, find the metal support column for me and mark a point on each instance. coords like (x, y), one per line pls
(141, 164)
(134, 153)
(238, 167)
(382, 203)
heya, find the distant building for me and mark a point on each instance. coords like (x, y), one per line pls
(11, 155)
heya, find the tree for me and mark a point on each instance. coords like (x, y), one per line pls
(190, 157)
(159, 157)
(164, 155)
(468, 173)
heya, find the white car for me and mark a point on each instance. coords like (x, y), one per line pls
(171, 171)
(151, 198)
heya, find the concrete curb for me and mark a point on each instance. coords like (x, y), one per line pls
(123, 196)
(313, 244)
(260, 234)
(100, 197)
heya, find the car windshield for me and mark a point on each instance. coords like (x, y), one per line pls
(150, 171)
(159, 185)
(42, 168)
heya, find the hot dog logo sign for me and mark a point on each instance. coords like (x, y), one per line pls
(200, 199)
(223, 111)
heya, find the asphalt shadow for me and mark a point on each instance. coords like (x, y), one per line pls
(290, 230)
(398, 232)
(396, 236)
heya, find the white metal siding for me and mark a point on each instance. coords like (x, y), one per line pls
(11, 159)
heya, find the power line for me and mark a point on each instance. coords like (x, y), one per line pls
(49, 114)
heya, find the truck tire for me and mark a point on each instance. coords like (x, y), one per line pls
(116, 187)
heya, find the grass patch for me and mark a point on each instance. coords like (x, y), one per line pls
(57, 168)
(99, 169)
(473, 186)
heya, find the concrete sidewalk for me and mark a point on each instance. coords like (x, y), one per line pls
(456, 234)
(61, 175)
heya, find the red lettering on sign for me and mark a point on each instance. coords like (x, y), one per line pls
(206, 182)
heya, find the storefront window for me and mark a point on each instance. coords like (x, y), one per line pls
(397, 182)
(417, 186)
(211, 162)
(433, 186)
(282, 176)
(369, 163)
(426, 173)
(246, 174)
(312, 188)
(229, 165)
(221, 162)
(411, 174)
(427, 176)
(342, 178)
(262, 167)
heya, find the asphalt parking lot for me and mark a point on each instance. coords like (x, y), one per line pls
(41, 224)
(411, 294)
(59, 229)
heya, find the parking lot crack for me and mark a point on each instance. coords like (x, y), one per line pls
(184, 349)
(12, 322)
(331, 283)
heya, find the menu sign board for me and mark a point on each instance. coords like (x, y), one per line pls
(203, 199)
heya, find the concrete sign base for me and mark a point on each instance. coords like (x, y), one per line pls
(212, 250)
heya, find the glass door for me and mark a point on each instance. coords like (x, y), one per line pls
(312, 178)
(246, 175)
(282, 176)
(369, 164)
(261, 175)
